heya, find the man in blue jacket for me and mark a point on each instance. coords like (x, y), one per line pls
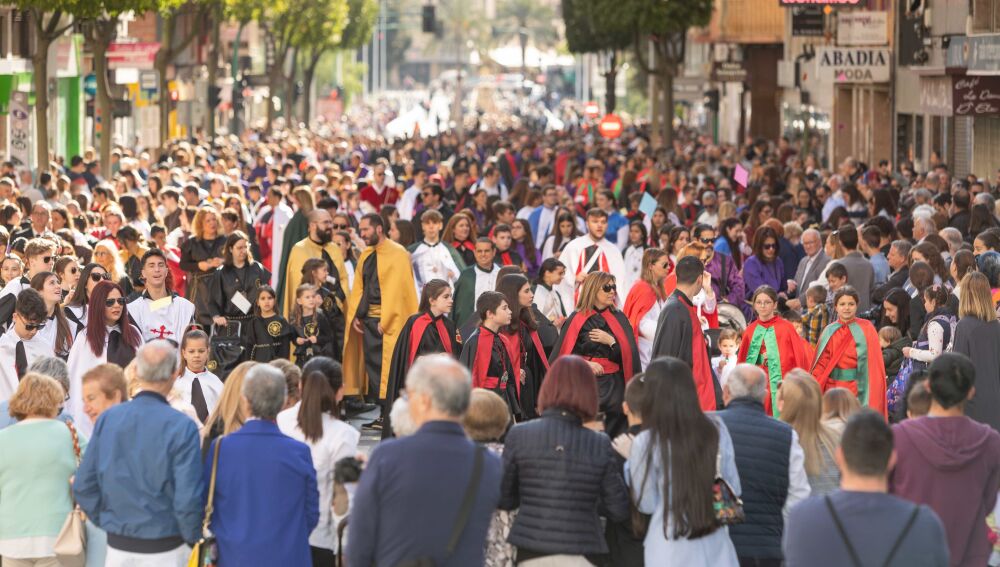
(266, 501)
(140, 479)
(410, 494)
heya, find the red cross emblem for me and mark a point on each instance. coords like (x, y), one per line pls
(162, 331)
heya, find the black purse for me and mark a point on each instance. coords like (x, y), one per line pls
(463, 514)
(225, 351)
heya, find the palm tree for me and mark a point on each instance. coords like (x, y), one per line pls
(528, 19)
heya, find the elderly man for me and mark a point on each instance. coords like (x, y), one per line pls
(899, 252)
(771, 464)
(152, 513)
(259, 460)
(810, 267)
(922, 228)
(413, 490)
(41, 215)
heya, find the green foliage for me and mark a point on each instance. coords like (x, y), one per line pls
(531, 16)
(596, 25)
(361, 17)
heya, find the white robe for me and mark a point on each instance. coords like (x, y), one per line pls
(633, 266)
(34, 348)
(82, 359)
(168, 322)
(647, 332)
(211, 386)
(433, 262)
(607, 258)
(549, 302)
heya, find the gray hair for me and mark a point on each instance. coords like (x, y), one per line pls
(953, 237)
(985, 199)
(156, 362)
(447, 382)
(902, 247)
(402, 424)
(265, 389)
(52, 367)
(747, 381)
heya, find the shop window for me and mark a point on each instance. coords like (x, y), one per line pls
(985, 16)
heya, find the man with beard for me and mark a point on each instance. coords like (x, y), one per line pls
(319, 244)
(382, 298)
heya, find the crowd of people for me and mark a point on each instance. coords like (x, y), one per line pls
(592, 353)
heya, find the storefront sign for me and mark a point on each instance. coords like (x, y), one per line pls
(982, 53)
(957, 56)
(853, 65)
(862, 28)
(935, 96)
(976, 96)
(132, 55)
(819, 2)
(808, 21)
(729, 72)
(20, 142)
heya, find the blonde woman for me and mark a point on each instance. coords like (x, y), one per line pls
(800, 403)
(108, 256)
(229, 414)
(201, 255)
(977, 336)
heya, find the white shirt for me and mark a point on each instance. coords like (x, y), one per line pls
(82, 359)
(339, 441)
(549, 303)
(608, 255)
(485, 281)
(433, 261)
(633, 265)
(408, 202)
(34, 348)
(798, 481)
(168, 321)
(282, 214)
(211, 386)
(647, 332)
(545, 221)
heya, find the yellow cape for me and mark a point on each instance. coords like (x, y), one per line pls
(399, 301)
(302, 251)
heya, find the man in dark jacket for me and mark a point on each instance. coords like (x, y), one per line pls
(899, 252)
(771, 464)
(950, 462)
(408, 500)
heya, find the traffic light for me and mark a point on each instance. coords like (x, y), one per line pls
(427, 19)
(214, 96)
(712, 100)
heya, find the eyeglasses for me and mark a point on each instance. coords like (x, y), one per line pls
(98, 277)
(770, 247)
(340, 227)
(32, 327)
(110, 302)
(610, 288)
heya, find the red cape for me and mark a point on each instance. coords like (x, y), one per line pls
(641, 298)
(790, 348)
(841, 348)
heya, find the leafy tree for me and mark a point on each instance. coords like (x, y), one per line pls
(52, 18)
(588, 31)
(527, 19)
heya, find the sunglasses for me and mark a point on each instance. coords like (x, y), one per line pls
(74, 270)
(32, 327)
(706, 240)
(610, 288)
(111, 302)
(340, 227)
(770, 247)
(96, 278)
(46, 259)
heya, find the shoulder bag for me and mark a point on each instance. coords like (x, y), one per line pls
(204, 553)
(71, 543)
(853, 553)
(463, 515)
(728, 507)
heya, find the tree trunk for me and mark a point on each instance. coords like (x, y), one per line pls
(289, 98)
(307, 81)
(40, 67)
(103, 34)
(272, 91)
(610, 99)
(667, 86)
(523, 39)
(213, 68)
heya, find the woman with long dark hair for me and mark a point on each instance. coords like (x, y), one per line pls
(564, 232)
(730, 240)
(638, 240)
(239, 274)
(671, 467)
(76, 307)
(460, 233)
(765, 267)
(57, 330)
(109, 337)
(936, 335)
(602, 335)
(429, 331)
(524, 244)
(525, 347)
(315, 421)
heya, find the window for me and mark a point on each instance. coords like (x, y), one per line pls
(985, 16)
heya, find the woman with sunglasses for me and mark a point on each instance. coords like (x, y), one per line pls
(764, 267)
(108, 255)
(602, 335)
(39, 255)
(109, 337)
(646, 299)
(76, 308)
(58, 331)
(68, 271)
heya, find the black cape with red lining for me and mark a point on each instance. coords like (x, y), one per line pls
(569, 338)
(420, 335)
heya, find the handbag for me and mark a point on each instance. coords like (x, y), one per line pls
(225, 351)
(463, 515)
(205, 553)
(728, 506)
(71, 543)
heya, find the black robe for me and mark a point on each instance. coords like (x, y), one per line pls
(533, 363)
(318, 326)
(228, 280)
(196, 250)
(493, 370)
(674, 337)
(333, 308)
(978, 340)
(409, 346)
(268, 338)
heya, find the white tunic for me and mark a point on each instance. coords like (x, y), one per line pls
(608, 258)
(633, 265)
(211, 386)
(647, 332)
(485, 281)
(34, 348)
(82, 359)
(549, 303)
(161, 319)
(433, 261)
